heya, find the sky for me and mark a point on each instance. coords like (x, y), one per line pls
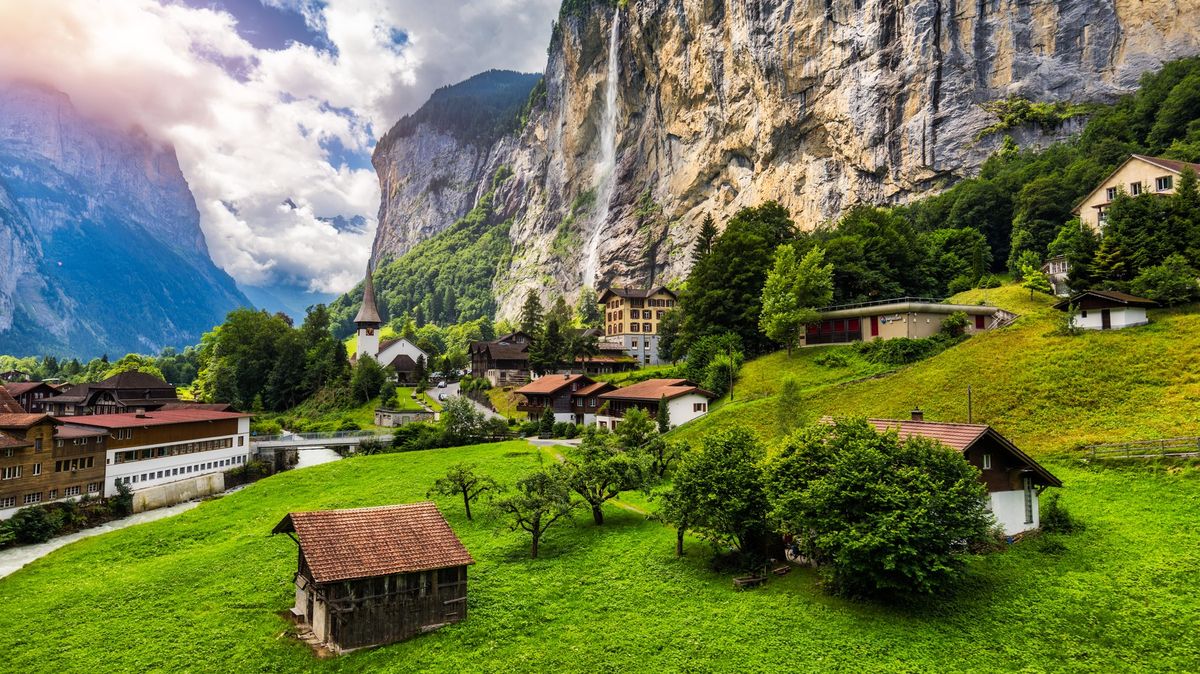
(273, 106)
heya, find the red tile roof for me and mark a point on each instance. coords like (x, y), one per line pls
(592, 389)
(17, 388)
(368, 542)
(71, 431)
(24, 421)
(1169, 164)
(656, 389)
(157, 418)
(9, 404)
(955, 436)
(551, 383)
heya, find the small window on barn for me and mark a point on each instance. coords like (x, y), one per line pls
(447, 576)
(987, 461)
(1083, 313)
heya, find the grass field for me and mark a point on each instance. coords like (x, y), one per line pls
(1048, 393)
(202, 592)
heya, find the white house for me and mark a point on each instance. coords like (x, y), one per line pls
(1013, 479)
(1106, 309)
(399, 353)
(685, 401)
(574, 398)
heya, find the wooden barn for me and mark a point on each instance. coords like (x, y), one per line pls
(372, 576)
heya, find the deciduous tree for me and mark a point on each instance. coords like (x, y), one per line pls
(462, 480)
(540, 499)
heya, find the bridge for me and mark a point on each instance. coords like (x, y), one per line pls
(329, 439)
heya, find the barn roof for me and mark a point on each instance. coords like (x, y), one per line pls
(1115, 298)
(368, 542)
(552, 383)
(656, 389)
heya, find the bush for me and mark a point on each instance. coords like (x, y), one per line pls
(563, 428)
(721, 372)
(529, 428)
(833, 358)
(955, 324)
(372, 446)
(7, 535)
(1170, 283)
(265, 427)
(35, 525)
(348, 424)
(1055, 518)
(902, 350)
(122, 503)
(417, 436)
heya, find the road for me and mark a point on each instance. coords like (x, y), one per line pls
(452, 390)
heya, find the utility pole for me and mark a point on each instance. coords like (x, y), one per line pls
(970, 410)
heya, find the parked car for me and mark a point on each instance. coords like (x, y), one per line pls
(442, 384)
(442, 397)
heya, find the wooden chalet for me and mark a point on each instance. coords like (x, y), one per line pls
(575, 398)
(685, 401)
(373, 576)
(1013, 478)
(31, 395)
(125, 392)
(503, 362)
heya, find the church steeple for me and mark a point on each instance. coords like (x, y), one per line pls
(368, 314)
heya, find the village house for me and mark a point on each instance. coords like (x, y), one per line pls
(684, 399)
(1013, 479)
(125, 392)
(399, 354)
(1057, 270)
(503, 361)
(573, 397)
(1106, 309)
(172, 455)
(13, 375)
(631, 319)
(31, 395)
(372, 576)
(42, 459)
(910, 317)
(1139, 174)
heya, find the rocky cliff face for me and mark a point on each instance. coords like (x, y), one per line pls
(100, 239)
(721, 105)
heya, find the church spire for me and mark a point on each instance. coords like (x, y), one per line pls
(368, 314)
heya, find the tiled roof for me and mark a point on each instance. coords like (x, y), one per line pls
(9, 404)
(593, 389)
(157, 418)
(954, 436)
(1115, 296)
(656, 389)
(24, 421)
(551, 383)
(368, 542)
(17, 388)
(10, 442)
(1169, 164)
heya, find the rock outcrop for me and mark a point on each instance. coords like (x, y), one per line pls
(722, 105)
(100, 240)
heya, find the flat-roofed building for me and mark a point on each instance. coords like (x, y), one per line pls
(910, 317)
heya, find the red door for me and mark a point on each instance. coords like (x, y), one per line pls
(874, 326)
(979, 322)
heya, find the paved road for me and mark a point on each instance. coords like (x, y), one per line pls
(452, 390)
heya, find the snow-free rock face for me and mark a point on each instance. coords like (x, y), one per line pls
(722, 105)
(100, 243)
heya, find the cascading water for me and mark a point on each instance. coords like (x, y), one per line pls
(606, 166)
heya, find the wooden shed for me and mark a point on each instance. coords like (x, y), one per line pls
(372, 576)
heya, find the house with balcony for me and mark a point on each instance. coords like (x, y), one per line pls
(1137, 175)
(503, 361)
(684, 399)
(31, 395)
(575, 398)
(631, 320)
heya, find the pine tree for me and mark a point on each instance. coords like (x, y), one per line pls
(705, 239)
(664, 415)
(531, 314)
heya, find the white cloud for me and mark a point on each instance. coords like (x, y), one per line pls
(248, 124)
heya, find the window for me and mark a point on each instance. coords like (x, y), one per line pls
(1083, 313)
(1110, 193)
(241, 441)
(1028, 500)
(633, 327)
(699, 407)
(37, 469)
(646, 327)
(987, 461)
(72, 491)
(8, 502)
(59, 443)
(93, 488)
(10, 473)
(634, 343)
(8, 452)
(33, 498)
(1135, 189)
(1164, 183)
(37, 445)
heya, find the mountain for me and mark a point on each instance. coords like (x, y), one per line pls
(102, 236)
(652, 113)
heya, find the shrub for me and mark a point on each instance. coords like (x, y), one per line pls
(265, 427)
(1170, 283)
(562, 428)
(902, 350)
(7, 535)
(122, 503)
(721, 372)
(955, 324)
(372, 446)
(1055, 517)
(417, 436)
(35, 525)
(833, 358)
(348, 424)
(529, 428)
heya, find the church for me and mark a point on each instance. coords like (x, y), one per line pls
(399, 354)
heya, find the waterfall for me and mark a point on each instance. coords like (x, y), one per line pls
(606, 166)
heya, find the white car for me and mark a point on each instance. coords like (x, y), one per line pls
(442, 384)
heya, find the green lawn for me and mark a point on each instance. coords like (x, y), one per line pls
(202, 591)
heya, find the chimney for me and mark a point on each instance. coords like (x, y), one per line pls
(917, 414)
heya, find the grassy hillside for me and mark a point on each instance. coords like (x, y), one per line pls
(202, 591)
(1048, 393)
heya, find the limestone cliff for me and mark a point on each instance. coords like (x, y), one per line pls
(721, 105)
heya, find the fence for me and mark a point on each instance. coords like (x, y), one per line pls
(1145, 449)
